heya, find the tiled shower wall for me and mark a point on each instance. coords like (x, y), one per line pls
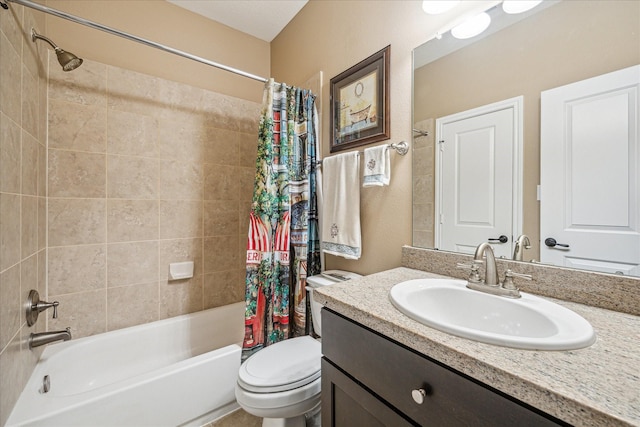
(424, 185)
(23, 93)
(143, 172)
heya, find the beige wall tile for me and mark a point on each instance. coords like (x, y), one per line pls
(226, 287)
(76, 174)
(11, 304)
(76, 221)
(29, 102)
(10, 97)
(179, 250)
(131, 134)
(132, 263)
(248, 148)
(221, 146)
(181, 140)
(29, 164)
(10, 25)
(29, 226)
(77, 268)
(221, 182)
(84, 312)
(242, 252)
(74, 126)
(132, 220)
(10, 155)
(220, 253)
(132, 305)
(180, 97)
(42, 170)
(132, 177)
(180, 219)
(180, 180)
(86, 85)
(29, 277)
(10, 238)
(42, 223)
(132, 92)
(246, 179)
(180, 297)
(423, 189)
(221, 218)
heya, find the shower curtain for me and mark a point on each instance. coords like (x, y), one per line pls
(283, 240)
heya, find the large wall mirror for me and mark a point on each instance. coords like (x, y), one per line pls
(559, 43)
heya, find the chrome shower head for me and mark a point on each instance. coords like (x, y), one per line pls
(67, 60)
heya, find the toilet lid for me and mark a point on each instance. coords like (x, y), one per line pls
(283, 366)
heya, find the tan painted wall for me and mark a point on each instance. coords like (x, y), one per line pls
(580, 40)
(170, 25)
(331, 36)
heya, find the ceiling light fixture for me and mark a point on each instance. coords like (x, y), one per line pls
(519, 6)
(436, 7)
(472, 26)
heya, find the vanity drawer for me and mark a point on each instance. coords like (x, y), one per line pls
(392, 372)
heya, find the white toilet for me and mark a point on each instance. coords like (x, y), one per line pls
(281, 383)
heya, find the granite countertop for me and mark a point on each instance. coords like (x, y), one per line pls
(595, 386)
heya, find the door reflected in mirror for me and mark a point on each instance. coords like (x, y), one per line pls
(561, 43)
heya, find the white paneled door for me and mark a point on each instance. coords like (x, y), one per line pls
(477, 182)
(590, 177)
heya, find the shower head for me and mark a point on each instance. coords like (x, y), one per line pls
(67, 60)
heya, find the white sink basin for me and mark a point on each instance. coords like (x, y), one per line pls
(529, 322)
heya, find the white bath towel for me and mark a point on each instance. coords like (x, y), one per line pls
(341, 208)
(377, 166)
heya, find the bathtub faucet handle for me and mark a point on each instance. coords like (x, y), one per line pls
(43, 305)
(35, 306)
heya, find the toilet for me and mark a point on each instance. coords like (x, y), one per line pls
(281, 383)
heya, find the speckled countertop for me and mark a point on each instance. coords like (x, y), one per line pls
(596, 386)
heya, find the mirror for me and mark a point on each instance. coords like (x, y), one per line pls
(553, 45)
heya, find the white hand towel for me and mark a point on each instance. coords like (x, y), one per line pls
(341, 209)
(377, 166)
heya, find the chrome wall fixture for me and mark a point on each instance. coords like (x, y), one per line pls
(67, 60)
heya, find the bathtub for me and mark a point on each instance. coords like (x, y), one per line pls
(175, 372)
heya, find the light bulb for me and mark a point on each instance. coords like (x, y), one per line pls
(519, 6)
(436, 7)
(472, 26)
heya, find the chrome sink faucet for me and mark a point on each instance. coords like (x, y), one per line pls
(491, 283)
(43, 338)
(521, 244)
(491, 270)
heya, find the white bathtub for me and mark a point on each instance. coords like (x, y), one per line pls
(174, 372)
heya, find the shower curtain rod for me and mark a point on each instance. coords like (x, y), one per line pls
(131, 37)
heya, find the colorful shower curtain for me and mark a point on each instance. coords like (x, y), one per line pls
(283, 240)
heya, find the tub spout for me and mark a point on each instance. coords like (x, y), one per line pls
(43, 338)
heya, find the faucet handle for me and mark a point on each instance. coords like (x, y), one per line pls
(508, 279)
(474, 277)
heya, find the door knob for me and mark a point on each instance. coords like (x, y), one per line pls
(551, 242)
(501, 239)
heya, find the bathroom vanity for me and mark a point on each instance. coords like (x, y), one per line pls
(368, 378)
(382, 368)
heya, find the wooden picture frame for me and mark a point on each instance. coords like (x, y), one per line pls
(360, 103)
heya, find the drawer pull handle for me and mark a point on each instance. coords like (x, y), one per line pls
(418, 395)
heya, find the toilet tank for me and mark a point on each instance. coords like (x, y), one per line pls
(326, 278)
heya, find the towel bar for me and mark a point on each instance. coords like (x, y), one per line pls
(401, 148)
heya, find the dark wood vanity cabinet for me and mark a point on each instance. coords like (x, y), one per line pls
(368, 380)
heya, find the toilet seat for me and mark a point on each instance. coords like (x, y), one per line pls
(287, 365)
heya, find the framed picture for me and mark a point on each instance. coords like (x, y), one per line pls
(360, 103)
